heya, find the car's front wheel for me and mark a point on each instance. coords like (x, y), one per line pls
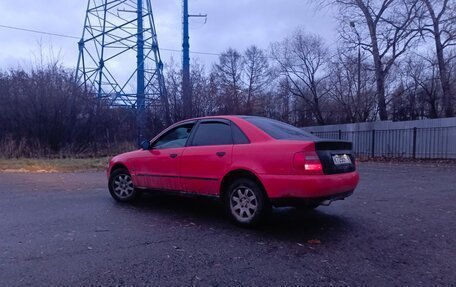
(246, 202)
(121, 186)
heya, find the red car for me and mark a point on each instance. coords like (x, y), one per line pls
(251, 163)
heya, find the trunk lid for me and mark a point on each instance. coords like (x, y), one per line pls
(335, 156)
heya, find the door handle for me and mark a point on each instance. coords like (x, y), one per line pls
(220, 153)
(173, 155)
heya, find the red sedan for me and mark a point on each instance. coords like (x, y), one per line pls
(251, 163)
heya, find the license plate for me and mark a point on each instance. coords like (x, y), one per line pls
(341, 159)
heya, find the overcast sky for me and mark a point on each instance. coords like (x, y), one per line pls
(235, 23)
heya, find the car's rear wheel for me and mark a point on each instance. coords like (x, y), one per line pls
(121, 186)
(246, 203)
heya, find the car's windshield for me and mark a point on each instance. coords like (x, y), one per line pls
(280, 130)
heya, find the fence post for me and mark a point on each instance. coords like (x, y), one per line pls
(373, 144)
(340, 134)
(414, 142)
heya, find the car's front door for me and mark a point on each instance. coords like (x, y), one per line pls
(207, 157)
(160, 166)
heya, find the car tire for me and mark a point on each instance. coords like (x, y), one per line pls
(121, 186)
(246, 202)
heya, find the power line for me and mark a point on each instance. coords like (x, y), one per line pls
(77, 38)
(38, 32)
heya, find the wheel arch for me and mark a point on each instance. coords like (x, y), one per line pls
(117, 166)
(238, 173)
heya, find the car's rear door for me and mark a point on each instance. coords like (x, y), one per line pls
(207, 157)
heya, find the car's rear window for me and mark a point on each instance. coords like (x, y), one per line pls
(280, 130)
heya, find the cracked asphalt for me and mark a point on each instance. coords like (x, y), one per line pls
(398, 229)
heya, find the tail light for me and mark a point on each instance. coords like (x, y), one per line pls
(308, 161)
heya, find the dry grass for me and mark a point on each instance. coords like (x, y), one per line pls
(397, 160)
(53, 165)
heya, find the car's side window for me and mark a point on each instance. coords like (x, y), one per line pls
(238, 136)
(212, 133)
(174, 138)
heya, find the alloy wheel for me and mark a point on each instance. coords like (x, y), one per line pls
(243, 203)
(123, 186)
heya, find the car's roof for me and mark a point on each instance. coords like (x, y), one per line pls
(227, 117)
(254, 133)
(213, 117)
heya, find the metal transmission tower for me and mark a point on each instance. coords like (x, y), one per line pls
(186, 85)
(119, 59)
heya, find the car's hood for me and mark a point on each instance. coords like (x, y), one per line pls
(127, 155)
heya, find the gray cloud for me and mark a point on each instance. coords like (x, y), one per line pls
(236, 24)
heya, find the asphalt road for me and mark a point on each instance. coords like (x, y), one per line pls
(398, 229)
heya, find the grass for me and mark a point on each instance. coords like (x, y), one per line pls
(53, 165)
(100, 164)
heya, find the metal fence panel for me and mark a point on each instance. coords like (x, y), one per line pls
(421, 143)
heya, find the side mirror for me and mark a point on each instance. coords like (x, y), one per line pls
(145, 145)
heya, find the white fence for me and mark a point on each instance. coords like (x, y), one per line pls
(423, 139)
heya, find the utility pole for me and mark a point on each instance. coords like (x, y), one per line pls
(186, 88)
(186, 85)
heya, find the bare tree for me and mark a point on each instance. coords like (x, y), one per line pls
(228, 73)
(204, 101)
(302, 59)
(385, 28)
(173, 80)
(257, 75)
(440, 24)
(351, 81)
(419, 78)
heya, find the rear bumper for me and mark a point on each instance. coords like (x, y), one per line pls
(311, 201)
(302, 187)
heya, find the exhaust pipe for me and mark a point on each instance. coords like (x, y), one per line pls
(326, 202)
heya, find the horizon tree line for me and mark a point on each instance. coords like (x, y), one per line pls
(396, 60)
